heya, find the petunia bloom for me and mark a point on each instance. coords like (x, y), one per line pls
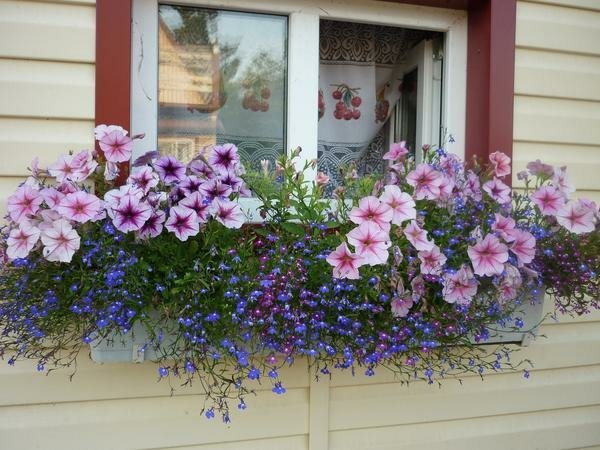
(576, 217)
(228, 213)
(153, 226)
(499, 191)
(60, 241)
(130, 214)
(417, 237)
(503, 226)
(190, 184)
(560, 180)
(510, 282)
(370, 242)
(224, 157)
(488, 256)
(21, 241)
(345, 263)
(523, 246)
(116, 146)
(201, 205)
(549, 200)
(538, 168)
(183, 222)
(432, 261)
(52, 197)
(24, 202)
(371, 209)
(460, 287)
(79, 206)
(144, 178)
(401, 203)
(169, 169)
(215, 188)
(114, 196)
(426, 181)
(102, 130)
(397, 151)
(401, 305)
(321, 179)
(501, 163)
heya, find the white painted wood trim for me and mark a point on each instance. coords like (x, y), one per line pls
(318, 420)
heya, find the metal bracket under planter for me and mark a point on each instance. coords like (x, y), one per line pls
(531, 315)
(134, 346)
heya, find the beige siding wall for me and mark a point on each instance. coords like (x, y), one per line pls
(46, 106)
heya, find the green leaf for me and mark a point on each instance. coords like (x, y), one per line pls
(293, 228)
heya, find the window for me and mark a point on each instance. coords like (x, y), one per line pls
(199, 72)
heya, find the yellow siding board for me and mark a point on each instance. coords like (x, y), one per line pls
(558, 28)
(554, 74)
(286, 443)
(46, 89)
(544, 430)
(49, 31)
(149, 422)
(585, 4)
(541, 119)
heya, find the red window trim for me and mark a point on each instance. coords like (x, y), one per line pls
(490, 69)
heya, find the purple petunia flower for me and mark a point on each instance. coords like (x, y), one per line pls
(153, 226)
(224, 157)
(183, 222)
(169, 169)
(131, 214)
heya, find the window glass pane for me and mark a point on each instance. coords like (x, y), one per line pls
(221, 78)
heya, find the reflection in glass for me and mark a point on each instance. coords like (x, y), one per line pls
(221, 79)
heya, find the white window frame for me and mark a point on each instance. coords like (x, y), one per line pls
(303, 60)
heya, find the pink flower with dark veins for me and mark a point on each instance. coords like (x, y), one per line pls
(153, 226)
(228, 213)
(488, 256)
(345, 263)
(426, 181)
(224, 157)
(102, 130)
(116, 146)
(538, 168)
(201, 205)
(401, 204)
(370, 242)
(560, 180)
(169, 169)
(144, 178)
(371, 209)
(501, 163)
(183, 222)
(63, 169)
(230, 179)
(401, 305)
(473, 186)
(510, 282)
(503, 226)
(60, 241)
(398, 151)
(114, 196)
(577, 217)
(130, 214)
(21, 241)
(549, 200)
(523, 246)
(321, 179)
(417, 237)
(24, 202)
(498, 191)
(190, 184)
(52, 197)
(432, 261)
(79, 206)
(460, 287)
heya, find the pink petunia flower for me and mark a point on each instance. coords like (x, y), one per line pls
(401, 204)
(153, 226)
(499, 191)
(144, 178)
(79, 206)
(84, 165)
(111, 171)
(510, 282)
(215, 188)
(549, 200)
(183, 222)
(230, 179)
(103, 130)
(116, 146)
(130, 214)
(224, 157)
(538, 168)
(52, 197)
(432, 261)
(63, 169)
(370, 242)
(501, 163)
(560, 180)
(114, 196)
(488, 256)
(446, 188)
(201, 205)
(397, 151)
(523, 246)
(190, 184)
(576, 217)
(24, 202)
(401, 305)
(228, 213)
(472, 187)
(460, 287)
(169, 169)
(345, 263)
(426, 181)
(60, 241)
(199, 167)
(417, 237)
(504, 226)
(21, 241)
(321, 179)
(371, 209)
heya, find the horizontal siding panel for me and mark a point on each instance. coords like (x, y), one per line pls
(286, 443)
(592, 316)
(149, 423)
(508, 393)
(540, 119)
(108, 381)
(544, 430)
(49, 31)
(585, 4)
(558, 28)
(553, 74)
(46, 89)
(24, 139)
